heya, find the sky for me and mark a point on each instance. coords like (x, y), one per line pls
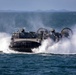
(34, 5)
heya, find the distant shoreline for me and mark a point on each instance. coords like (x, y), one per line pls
(37, 11)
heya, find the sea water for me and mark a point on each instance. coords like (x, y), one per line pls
(48, 59)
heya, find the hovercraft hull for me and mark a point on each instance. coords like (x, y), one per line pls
(24, 46)
(25, 41)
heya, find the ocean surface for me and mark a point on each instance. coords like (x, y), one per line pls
(59, 59)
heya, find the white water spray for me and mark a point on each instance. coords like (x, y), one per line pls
(4, 42)
(65, 46)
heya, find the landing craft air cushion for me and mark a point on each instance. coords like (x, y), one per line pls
(25, 41)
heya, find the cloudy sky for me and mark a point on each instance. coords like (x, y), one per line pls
(33, 5)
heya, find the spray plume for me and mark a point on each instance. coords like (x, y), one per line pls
(64, 46)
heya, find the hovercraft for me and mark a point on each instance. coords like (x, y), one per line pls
(25, 41)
